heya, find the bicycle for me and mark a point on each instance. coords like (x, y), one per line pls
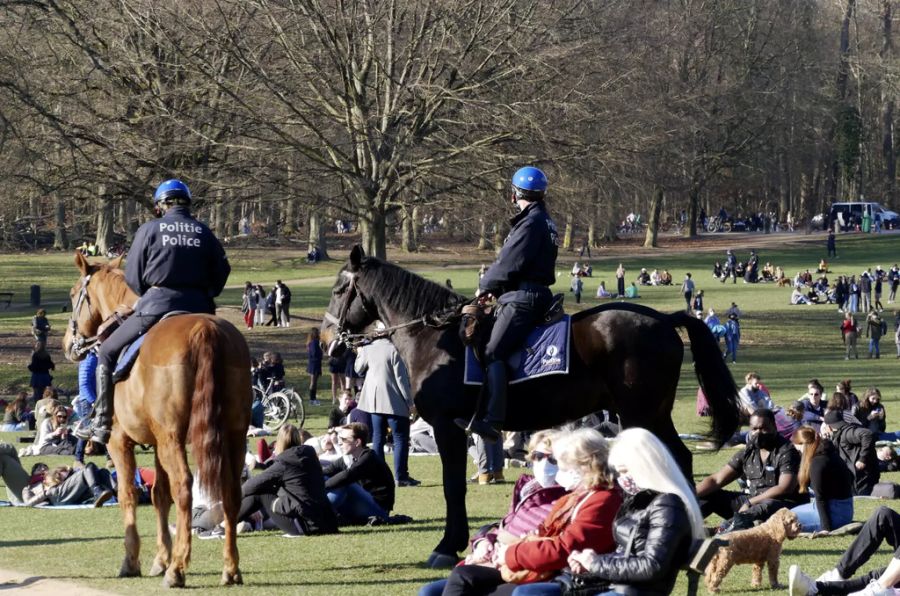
(279, 405)
(715, 224)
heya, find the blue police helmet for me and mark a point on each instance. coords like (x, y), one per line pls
(171, 189)
(529, 183)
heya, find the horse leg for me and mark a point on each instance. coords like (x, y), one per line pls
(121, 449)
(665, 432)
(162, 501)
(231, 504)
(171, 454)
(451, 442)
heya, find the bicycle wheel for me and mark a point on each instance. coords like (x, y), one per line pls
(297, 410)
(712, 226)
(276, 409)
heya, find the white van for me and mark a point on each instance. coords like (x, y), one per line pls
(850, 215)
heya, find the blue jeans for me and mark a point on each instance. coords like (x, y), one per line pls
(731, 347)
(433, 589)
(400, 429)
(355, 503)
(873, 346)
(840, 510)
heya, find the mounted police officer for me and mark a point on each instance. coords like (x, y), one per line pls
(175, 264)
(520, 279)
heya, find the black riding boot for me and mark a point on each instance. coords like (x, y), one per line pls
(489, 428)
(103, 407)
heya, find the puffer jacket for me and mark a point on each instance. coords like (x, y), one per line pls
(653, 537)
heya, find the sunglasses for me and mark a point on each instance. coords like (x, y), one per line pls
(538, 456)
(346, 439)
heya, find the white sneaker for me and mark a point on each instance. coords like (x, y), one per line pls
(831, 575)
(800, 584)
(243, 527)
(874, 589)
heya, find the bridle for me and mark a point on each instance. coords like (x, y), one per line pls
(437, 321)
(80, 343)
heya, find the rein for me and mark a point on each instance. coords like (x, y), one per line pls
(80, 343)
(436, 321)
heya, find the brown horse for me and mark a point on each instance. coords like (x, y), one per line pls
(191, 383)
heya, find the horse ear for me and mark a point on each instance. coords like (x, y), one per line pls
(356, 257)
(117, 262)
(82, 263)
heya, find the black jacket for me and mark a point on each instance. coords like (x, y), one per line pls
(528, 254)
(296, 477)
(370, 472)
(855, 443)
(176, 263)
(653, 537)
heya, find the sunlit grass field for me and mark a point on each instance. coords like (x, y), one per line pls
(786, 344)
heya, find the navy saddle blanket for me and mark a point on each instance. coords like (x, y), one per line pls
(129, 353)
(546, 352)
(127, 358)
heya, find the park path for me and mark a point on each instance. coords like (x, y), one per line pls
(37, 585)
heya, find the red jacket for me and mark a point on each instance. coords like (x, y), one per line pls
(590, 527)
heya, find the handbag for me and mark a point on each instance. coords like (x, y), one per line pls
(582, 584)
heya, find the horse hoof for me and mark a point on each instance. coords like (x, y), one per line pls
(442, 561)
(157, 569)
(128, 570)
(173, 579)
(232, 579)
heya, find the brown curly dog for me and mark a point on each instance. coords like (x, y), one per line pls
(760, 545)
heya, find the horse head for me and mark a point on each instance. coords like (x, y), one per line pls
(349, 311)
(98, 291)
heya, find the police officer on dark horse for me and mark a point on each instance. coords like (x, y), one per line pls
(520, 279)
(175, 264)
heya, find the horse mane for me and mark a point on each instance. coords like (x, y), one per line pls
(405, 291)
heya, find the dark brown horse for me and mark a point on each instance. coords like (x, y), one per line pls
(625, 358)
(191, 383)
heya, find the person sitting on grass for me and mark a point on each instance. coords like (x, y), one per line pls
(872, 414)
(602, 292)
(532, 499)
(360, 485)
(822, 470)
(291, 491)
(69, 486)
(654, 529)
(16, 416)
(754, 395)
(797, 297)
(769, 464)
(883, 525)
(856, 446)
(580, 520)
(15, 477)
(54, 437)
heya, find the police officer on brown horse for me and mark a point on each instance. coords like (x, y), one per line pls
(175, 264)
(520, 279)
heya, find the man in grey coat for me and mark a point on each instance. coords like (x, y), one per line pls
(387, 396)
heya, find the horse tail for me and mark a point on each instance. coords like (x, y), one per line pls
(714, 377)
(207, 426)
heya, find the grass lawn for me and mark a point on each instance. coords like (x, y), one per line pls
(786, 344)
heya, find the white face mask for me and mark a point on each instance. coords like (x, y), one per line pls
(545, 473)
(568, 479)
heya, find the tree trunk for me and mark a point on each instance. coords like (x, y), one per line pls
(60, 241)
(105, 217)
(372, 228)
(415, 226)
(407, 234)
(610, 225)
(317, 234)
(482, 234)
(690, 231)
(218, 211)
(567, 235)
(653, 222)
(887, 111)
(840, 96)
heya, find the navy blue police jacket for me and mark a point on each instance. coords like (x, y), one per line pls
(528, 255)
(176, 263)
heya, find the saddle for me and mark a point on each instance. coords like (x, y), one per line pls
(478, 319)
(129, 354)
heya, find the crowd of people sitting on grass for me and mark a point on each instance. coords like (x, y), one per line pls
(849, 293)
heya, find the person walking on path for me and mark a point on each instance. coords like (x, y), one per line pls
(687, 290)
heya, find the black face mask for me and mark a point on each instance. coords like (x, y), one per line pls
(766, 440)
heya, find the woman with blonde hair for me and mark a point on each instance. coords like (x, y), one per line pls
(291, 491)
(654, 529)
(822, 469)
(580, 520)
